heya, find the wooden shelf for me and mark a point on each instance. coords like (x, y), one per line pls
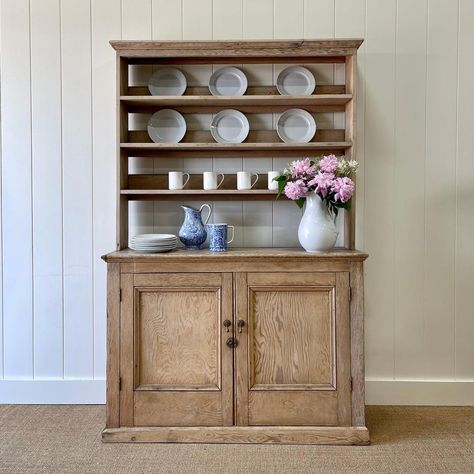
(200, 194)
(318, 101)
(235, 147)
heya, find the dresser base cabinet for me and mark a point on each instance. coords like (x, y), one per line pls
(250, 346)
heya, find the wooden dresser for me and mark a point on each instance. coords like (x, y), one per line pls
(248, 346)
(253, 345)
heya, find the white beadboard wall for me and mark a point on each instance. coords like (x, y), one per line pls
(416, 187)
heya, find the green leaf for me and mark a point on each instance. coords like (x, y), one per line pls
(300, 202)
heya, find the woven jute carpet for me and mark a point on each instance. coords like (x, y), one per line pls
(66, 438)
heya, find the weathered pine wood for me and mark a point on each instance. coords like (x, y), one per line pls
(357, 344)
(238, 434)
(113, 346)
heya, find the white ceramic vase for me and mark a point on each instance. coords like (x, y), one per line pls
(317, 231)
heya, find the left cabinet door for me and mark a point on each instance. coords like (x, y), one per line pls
(175, 366)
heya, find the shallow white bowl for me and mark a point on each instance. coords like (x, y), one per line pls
(229, 81)
(296, 126)
(296, 80)
(166, 126)
(167, 81)
(230, 126)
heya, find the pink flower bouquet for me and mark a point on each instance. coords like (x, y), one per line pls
(329, 177)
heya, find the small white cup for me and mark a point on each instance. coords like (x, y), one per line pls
(175, 180)
(244, 180)
(209, 180)
(273, 185)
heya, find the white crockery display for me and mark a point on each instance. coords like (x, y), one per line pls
(273, 185)
(228, 81)
(167, 81)
(296, 126)
(244, 180)
(166, 126)
(296, 80)
(175, 180)
(210, 180)
(230, 126)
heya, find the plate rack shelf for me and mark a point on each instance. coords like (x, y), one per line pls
(258, 99)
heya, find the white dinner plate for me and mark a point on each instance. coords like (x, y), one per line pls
(154, 237)
(167, 81)
(152, 250)
(166, 126)
(230, 126)
(296, 126)
(228, 81)
(296, 80)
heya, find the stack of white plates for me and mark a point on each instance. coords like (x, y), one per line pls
(153, 243)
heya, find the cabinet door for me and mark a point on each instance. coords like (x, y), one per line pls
(175, 366)
(293, 357)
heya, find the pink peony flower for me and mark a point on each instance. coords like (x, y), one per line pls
(295, 190)
(302, 168)
(322, 183)
(343, 189)
(329, 164)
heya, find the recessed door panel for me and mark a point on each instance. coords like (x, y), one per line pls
(293, 358)
(176, 368)
(177, 338)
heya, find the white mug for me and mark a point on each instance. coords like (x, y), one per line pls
(273, 185)
(209, 180)
(175, 180)
(244, 180)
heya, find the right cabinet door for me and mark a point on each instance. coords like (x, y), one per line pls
(293, 353)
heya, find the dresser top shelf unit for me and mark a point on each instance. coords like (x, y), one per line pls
(259, 99)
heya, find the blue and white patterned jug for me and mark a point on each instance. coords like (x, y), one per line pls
(193, 231)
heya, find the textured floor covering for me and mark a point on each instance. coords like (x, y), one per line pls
(64, 439)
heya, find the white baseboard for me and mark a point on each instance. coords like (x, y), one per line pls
(378, 392)
(419, 392)
(52, 391)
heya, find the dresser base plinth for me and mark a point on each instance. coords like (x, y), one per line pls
(347, 435)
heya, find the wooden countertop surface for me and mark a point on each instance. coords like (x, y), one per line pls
(239, 254)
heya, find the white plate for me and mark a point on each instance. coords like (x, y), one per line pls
(228, 81)
(167, 81)
(230, 126)
(166, 126)
(152, 250)
(296, 80)
(296, 126)
(154, 237)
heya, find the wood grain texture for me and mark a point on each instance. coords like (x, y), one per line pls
(291, 339)
(113, 346)
(126, 350)
(300, 409)
(177, 409)
(177, 336)
(183, 374)
(236, 434)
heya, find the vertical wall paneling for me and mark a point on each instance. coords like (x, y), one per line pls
(227, 19)
(77, 188)
(17, 192)
(464, 260)
(106, 25)
(136, 18)
(47, 188)
(409, 245)
(288, 23)
(167, 19)
(350, 22)
(414, 190)
(257, 19)
(379, 184)
(440, 206)
(197, 19)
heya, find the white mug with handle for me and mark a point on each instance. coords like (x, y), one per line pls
(244, 180)
(175, 180)
(209, 180)
(273, 185)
